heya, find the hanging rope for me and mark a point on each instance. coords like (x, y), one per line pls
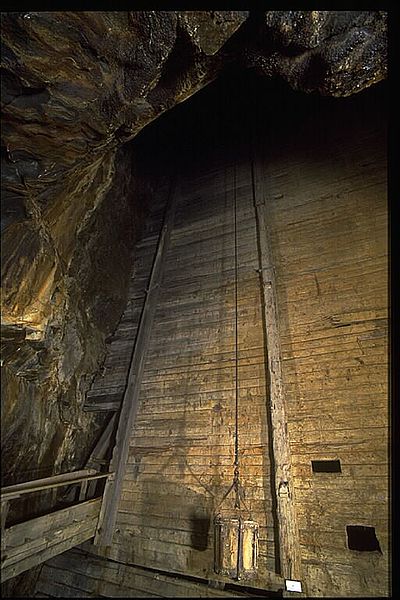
(236, 482)
(236, 474)
(236, 331)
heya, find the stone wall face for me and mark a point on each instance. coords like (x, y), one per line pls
(47, 371)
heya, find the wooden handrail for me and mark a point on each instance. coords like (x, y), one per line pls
(15, 491)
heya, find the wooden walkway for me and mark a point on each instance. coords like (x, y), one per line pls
(28, 544)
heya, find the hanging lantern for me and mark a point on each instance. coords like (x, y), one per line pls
(236, 547)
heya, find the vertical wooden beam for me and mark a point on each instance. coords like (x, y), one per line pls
(99, 451)
(129, 407)
(289, 544)
(5, 505)
(83, 490)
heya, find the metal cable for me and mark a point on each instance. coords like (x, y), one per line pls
(236, 332)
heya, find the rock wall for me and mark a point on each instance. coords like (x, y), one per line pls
(48, 362)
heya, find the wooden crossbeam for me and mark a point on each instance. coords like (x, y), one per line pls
(5, 505)
(289, 544)
(111, 406)
(100, 450)
(130, 400)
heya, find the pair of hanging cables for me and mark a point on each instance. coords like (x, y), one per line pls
(236, 477)
(236, 463)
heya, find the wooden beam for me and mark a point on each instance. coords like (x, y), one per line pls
(103, 443)
(28, 544)
(96, 458)
(83, 490)
(111, 406)
(289, 544)
(130, 400)
(5, 505)
(15, 491)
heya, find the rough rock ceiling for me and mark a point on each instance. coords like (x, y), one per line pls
(96, 78)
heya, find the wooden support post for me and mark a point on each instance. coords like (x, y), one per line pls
(83, 490)
(289, 545)
(112, 491)
(5, 505)
(102, 445)
(99, 452)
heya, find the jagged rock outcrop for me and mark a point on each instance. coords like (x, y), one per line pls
(76, 87)
(336, 53)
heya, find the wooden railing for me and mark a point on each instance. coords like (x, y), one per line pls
(26, 545)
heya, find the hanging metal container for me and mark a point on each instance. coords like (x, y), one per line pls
(236, 547)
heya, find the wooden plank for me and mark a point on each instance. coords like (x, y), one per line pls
(35, 546)
(33, 542)
(50, 588)
(112, 406)
(289, 544)
(85, 570)
(103, 443)
(266, 580)
(131, 396)
(100, 450)
(18, 534)
(83, 491)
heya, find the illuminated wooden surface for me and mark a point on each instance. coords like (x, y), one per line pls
(327, 216)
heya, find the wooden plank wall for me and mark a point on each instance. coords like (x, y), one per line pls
(327, 213)
(326, 210)
(181, 458)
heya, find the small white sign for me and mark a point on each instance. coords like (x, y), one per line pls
(293, 586)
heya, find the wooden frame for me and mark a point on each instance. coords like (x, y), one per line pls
(26, 545)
